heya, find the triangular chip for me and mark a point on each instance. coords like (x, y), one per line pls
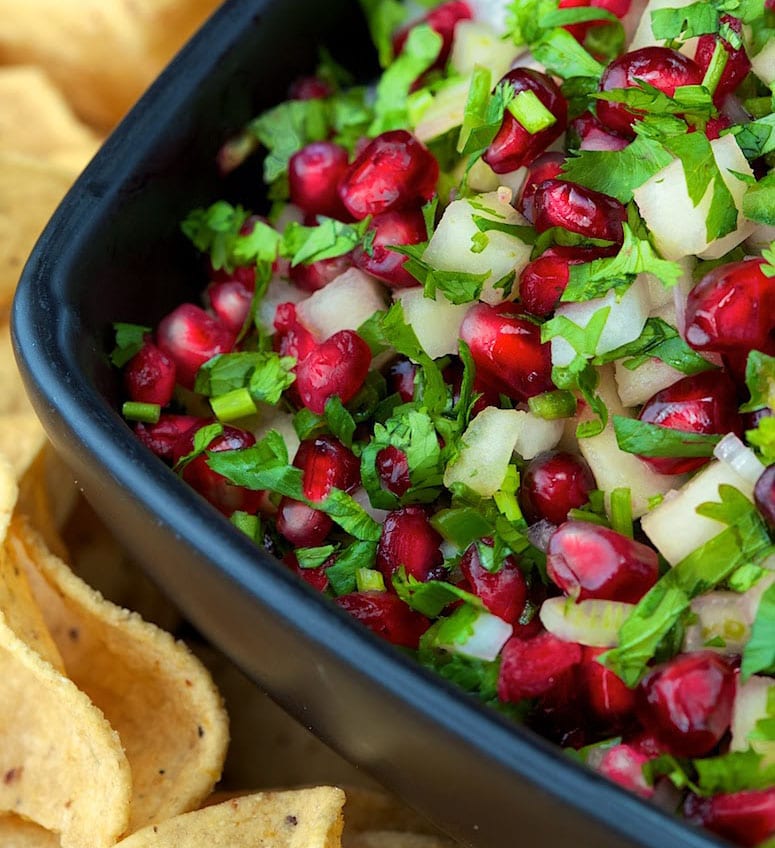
(155, 693)
(16, 832)
(303, 818)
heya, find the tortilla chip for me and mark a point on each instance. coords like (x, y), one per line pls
(104, 56)
(395, 839)
(16, 832)
(22, 438)
(13, 395)
(155, 693)
(303, 818)
(29, 193)
(36, 120)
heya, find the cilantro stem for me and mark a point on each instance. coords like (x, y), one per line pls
(716, 67)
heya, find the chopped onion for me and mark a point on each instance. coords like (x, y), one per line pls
(740, 458)
(489, 634)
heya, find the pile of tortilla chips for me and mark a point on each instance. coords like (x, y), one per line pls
(111, 732)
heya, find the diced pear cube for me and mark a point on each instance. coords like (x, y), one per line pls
(435, 321)
(477, 43)
(344, 304)
(638, 385)
(763, 63)
(445, 112)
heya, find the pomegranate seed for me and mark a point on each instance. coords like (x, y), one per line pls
(443, 20)
(503, 592)
(190, 336)
(222, 494)
(738, 64)
(309, 88)
(579, 210)
(610, 702)
(161, 437)
(392, 172)
(314, 173)
(406, 226)
(589, 561)
(533, 667)
(745, 818)
(701, 403)
(408, 539)
(293, 338)
(588, 133)
(716, 126)
(623, 764)
(507, 350)
(243, 274)
(453, 376)
(764, 495)
(317, 275)
(580, 31)
(386, 615)
(400, 379)
(732, 309)
(514, 146)
(316, 577)
(393, 469)
(553, 484)
(661, 67)
(337, 367)
(230, 300)
(149, 376)
(547, 166)
(542, 281)
(687, 702)
(327, 464)
(302, 525)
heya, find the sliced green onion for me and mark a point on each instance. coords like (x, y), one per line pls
(716, 67)
(233, 405)
(530, 112)
(461, 526)
(621, 511)
(553, 405)
(506, 498)
(249, 524)
(369, 580)
(146, 412)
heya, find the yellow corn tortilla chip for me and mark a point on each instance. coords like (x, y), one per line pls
(13, 396)
(155, 693)
(104, 56)
(303, 818)
(16, 832)
(29, 193)
(22, 438)
(36, 120)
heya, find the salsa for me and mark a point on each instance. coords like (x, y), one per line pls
(496, 371)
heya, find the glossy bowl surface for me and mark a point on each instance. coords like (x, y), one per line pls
(113, 251)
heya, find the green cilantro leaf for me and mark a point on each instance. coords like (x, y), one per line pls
(483, 115)
(202, 440)
(759, 200)
(328, 239)
(313, 557)
(763, 439)
(266, 374)
(756, 138)
(662, 341)
(525, 21)
(129, 340)
(384, 17)
(640, 437)
(759, 653)
(431, 596)
(760, 380)
(560, 53)
(735, 771)
(456, 286)
(339, 420)
(684, 22)
(341, 575)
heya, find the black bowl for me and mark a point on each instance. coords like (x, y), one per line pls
(113, 251)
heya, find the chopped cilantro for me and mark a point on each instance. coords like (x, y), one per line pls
(265, 374)
(431, 596)
(763, 439)
(662, 341)
(339, 420)
(560, 53)
(313, 557)
(384, 17)
(640, 437)
(202, 440)
(456, 286)
(759, 200)
(129, 340)
(756, 138)
(685, 22)
(329, 238)
(759, 653)
(342, 575)
(525, 20)
(760, 380)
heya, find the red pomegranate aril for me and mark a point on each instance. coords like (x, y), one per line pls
(314, 174)
(687, 702)
(547, 166)
(716, 126)
(732, 309)
(292, 338)
(222, 494)
(335, 368)
(554, 483)
(230, 300)
(317, 275)
(309, 88)
(507, 350)
(386, 615)
(406, 226)
(190, 336)
(243, 274)
(533, 667)
(579, 210)
(408, 539)
(610, 702)
(623, 764)
(443, 20)
(661, 67)
(400, 379)
(701, 403)
(542, 281)
(302, 525)
(393, 470)
(327, 464)
(587, 133)
(503, 592)
(161, 437)
(316, 577)
(393, 171)
(745, 818)
(589, 561)
(149, 376)
(514, 146)
(764, 496)
(738, 64)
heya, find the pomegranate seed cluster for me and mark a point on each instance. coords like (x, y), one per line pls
(496, 373)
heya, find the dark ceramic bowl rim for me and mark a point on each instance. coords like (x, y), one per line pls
(88, 431)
